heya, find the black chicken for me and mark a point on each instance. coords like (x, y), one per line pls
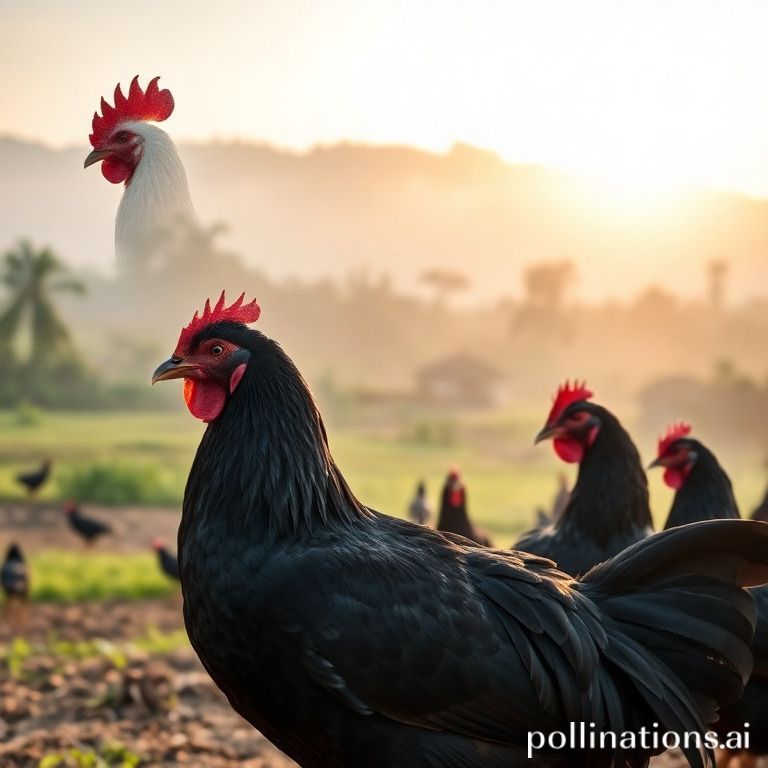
(704, 492)
(608, 509)
(689, 464)
(454, 517)
(34, 481)
(350, 638)
(167, 561)
(15, 582)
(86, 528)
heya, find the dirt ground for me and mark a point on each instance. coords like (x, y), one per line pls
(161, 707)
(44, 526)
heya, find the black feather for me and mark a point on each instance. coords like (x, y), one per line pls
(350, 638)
(707, 494)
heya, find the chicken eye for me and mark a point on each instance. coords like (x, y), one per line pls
(217, 350)
(122, 138)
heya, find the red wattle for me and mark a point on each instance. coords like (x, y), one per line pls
(674, 477)
(115, 170)
(568, 449)
(457, 497)
(205, 399)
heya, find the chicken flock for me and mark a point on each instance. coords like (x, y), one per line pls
(14, 573)
(351, 638)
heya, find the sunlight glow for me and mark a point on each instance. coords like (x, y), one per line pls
(658, 93)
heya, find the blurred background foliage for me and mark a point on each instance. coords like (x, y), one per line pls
(79, 348)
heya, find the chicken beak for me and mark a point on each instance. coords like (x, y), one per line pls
(657, 462)
(173, 368)
(546, 434)
(95, 156)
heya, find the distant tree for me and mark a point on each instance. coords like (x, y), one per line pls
(445, 283)
(32, 278)
(717, 273)
(540, 317)
(547, 283)
(655, 304)
(726, 374)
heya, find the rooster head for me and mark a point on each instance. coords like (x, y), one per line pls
(116, 138)
(677, 453)
(455, 487)
(572, 423)
(158, 544)
(211, 366)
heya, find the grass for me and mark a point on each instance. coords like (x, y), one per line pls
(164, 442)
(15, 654)
(507, 477)
(58, 576)
(108, 755)
(501, 496)
(113, 483)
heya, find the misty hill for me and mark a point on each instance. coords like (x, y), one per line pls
(344, 209)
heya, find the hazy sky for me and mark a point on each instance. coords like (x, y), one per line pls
(645, 92)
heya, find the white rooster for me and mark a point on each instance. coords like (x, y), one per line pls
(134, 151)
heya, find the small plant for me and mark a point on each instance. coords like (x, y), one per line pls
(439, 433)
(15, 656)
(69, 577)
(118, 654)
(157, 642)
(86, 649)
(28, 415)
(110, 755)
(103, 483)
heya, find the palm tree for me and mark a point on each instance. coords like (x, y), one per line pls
(32, 276)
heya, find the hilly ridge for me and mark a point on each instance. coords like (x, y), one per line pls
(346, 208)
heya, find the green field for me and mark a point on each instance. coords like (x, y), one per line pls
(506, 476)
(157, 444)
(382, 465)
(59, 576)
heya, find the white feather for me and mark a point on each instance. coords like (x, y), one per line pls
(155, 199)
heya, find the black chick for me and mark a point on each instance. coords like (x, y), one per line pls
(167, 561)
(33, 481)
(86, 528)
(15, 582)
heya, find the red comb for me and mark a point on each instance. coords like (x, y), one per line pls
(566, 394)
(674, 432)
(152, 104)
(235, 313)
